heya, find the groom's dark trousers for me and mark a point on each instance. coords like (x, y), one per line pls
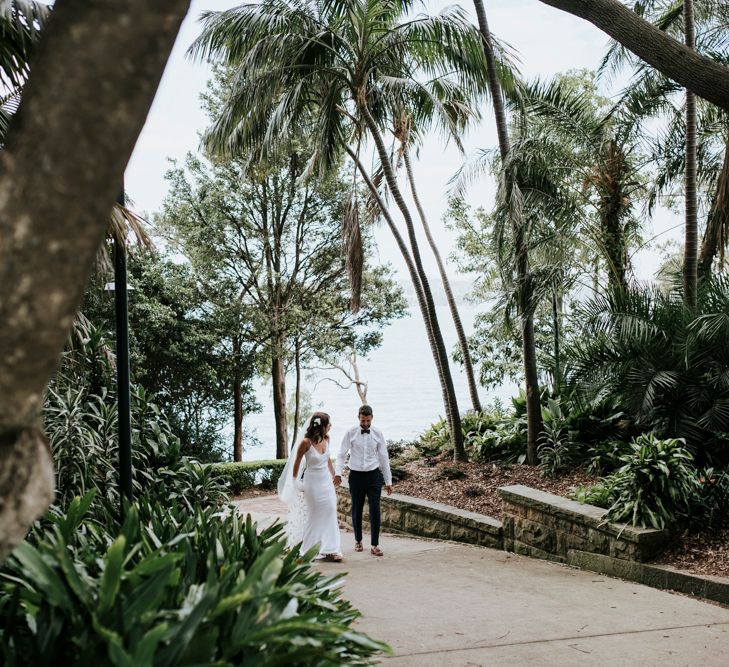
(366, 484)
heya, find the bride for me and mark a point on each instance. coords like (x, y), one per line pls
(313, 519)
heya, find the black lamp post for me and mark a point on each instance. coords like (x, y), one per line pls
(121, 304)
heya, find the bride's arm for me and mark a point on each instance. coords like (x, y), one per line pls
(300, 451)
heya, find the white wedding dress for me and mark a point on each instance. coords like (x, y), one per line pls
(322, 526)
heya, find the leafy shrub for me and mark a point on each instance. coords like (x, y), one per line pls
(398, 472)
(82, 431)
(662, 363)
(554, 448)
(712, 497)
(451, 472)
(488, 435)
(656, 484)
(605, 457)
(599, 495)
(170, 588)
(244, 475)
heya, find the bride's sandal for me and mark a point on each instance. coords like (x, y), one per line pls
(376, 551)
(333, 558)
(358, 546)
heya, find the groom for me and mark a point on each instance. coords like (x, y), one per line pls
(368, 464)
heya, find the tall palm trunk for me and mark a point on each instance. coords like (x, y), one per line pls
(690, 259)
(529, 352)
(457, 435)
(462, 340)
(237, 404)
(717, 224)
(557, 334)
(452, 413)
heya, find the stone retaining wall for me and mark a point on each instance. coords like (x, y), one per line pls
(405, 514)
(543, 525)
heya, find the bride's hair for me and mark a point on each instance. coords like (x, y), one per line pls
(317, 429)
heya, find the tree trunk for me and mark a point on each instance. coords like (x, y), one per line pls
(529, 351)
(701, 75)
(408, 262)
(717, 223)
(462, 340)
(360, 386)
(412, 271)
(534, 406)
(297, 395)
(557, 333)
(98, 70)
(502, 130)
(691, 242)
(237, 420)
(278, 380)
(452, 413)
(237, 405)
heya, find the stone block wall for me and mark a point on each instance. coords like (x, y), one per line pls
(405, 514)
(543, 525)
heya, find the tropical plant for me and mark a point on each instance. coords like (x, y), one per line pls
(662, 363)
(712, 498)
(171, 587)
(491, 435)
(691, 144)
(344, 70)
(244, 475)
(656, 484)
(20, 24)
(555, 449)
(511, 195)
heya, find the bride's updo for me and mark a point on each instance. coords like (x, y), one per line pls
(316, 431)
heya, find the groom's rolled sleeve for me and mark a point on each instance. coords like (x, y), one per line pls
(342, 456)
(384, 459)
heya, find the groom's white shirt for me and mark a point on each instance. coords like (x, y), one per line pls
(367, 451)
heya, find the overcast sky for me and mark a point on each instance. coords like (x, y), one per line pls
(548, 41)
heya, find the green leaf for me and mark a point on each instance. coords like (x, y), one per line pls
(111, 577)
(42, 576)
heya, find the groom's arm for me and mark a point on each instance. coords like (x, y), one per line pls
(342, 458)
(384, 459)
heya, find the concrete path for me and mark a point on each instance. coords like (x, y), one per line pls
(442, 604)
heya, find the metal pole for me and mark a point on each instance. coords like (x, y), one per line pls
(122, 367)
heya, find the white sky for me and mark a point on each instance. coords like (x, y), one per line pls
(547, 40)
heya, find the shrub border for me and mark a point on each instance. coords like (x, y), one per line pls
(242, 475)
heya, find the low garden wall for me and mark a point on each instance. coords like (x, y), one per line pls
(405, 514)
(543, 525)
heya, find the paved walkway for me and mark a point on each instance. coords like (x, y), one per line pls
(441, 604)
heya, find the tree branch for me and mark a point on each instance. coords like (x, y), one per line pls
(700, 74)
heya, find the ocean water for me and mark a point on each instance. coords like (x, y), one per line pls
(403, 387)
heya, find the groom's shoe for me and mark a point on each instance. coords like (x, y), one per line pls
(376, 551)
(358, 546)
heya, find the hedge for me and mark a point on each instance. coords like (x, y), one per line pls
(243, 475)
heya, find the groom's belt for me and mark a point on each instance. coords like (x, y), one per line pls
(365, 471)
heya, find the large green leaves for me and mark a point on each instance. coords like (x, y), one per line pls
(210, 588)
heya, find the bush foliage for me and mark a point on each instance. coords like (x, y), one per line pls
(243, 475)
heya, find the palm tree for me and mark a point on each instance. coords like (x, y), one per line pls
(691, 125)
(690, 259)
(342, 70)
(452, 305)
(20, 25)
(529, 352)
